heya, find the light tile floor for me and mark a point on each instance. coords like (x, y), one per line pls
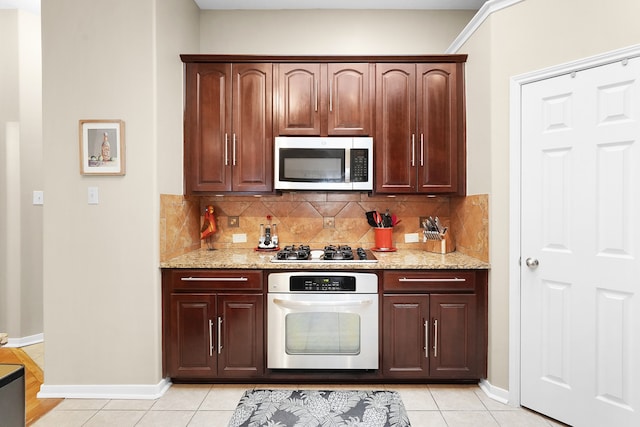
(432, 405)
(212, 405)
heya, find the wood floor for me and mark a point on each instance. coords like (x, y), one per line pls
(34, 377)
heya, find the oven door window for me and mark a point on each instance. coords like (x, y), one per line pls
(322, 333)
(312, 165)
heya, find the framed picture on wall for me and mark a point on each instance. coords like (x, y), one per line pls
(102, 147)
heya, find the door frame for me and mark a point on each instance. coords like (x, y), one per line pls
(515, 108)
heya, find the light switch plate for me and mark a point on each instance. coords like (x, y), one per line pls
(92, 195)
(38, 197)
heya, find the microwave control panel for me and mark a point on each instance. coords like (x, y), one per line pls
(359, 165)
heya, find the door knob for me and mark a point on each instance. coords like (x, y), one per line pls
(532, 262)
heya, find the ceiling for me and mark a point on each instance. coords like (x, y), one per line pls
(341, 4)
(34, 5)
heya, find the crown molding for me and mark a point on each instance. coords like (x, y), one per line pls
(485, 11)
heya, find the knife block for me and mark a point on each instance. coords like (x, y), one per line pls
(444, 245)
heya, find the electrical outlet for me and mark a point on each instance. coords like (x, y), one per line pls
(233, 221)
(329, 222)
(411, 237)
(423, 219)
(239, 238)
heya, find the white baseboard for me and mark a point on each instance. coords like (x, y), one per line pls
(106, 391)
(25, 341)
(496, 393)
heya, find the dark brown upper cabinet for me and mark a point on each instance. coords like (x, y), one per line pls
(320, 99)
(413, 106)
(419, 138)
(228, 128)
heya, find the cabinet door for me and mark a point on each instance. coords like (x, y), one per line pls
(348, 109)
(252, 136)
(240, 342)
(405, 336)
(191, 330)
(299, 99)
(437, 119)
(395, 157)
(207, 126)
(455, 352)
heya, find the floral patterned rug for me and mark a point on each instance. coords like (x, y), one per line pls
(310, 408)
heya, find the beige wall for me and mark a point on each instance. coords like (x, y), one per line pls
(100, 262)
(525, 37)
(109, 60)
(318, 32)
(119, 60)
(20, 173)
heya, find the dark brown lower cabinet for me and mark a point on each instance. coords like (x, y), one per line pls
(404, 335)
(209, 334)
(433, 327)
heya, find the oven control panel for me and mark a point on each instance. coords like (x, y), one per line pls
(326, 281)
(322, 283)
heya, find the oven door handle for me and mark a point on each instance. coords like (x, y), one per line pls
(299, 304)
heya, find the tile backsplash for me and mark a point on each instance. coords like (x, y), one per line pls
(318, 219)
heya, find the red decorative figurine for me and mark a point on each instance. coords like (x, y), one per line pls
(209, 224)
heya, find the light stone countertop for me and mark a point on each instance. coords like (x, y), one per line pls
(251, 259)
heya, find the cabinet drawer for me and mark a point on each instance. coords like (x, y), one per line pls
(429, 281)
(228, 280)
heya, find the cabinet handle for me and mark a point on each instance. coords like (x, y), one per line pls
(426, 339)
(435, 338)
(219, 334)
(214, 279)
(226, 149)
(210, 338)
(330, 95)
(316, 95)
(413, 149)
(443, 279)
(421, 149)
(234, 149)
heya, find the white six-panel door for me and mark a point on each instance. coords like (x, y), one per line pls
(580, 246)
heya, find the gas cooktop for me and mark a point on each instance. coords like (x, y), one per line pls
(330, 254)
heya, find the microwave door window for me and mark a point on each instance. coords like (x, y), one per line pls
(312, 165)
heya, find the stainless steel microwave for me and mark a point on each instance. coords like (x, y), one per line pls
(323, 163)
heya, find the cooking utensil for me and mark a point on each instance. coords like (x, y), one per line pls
(378, 219)
(386, 220)
(371, 218)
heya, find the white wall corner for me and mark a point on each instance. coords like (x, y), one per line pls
(485, 11)
(106, 391)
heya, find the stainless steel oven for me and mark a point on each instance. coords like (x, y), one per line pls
(322, 320)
